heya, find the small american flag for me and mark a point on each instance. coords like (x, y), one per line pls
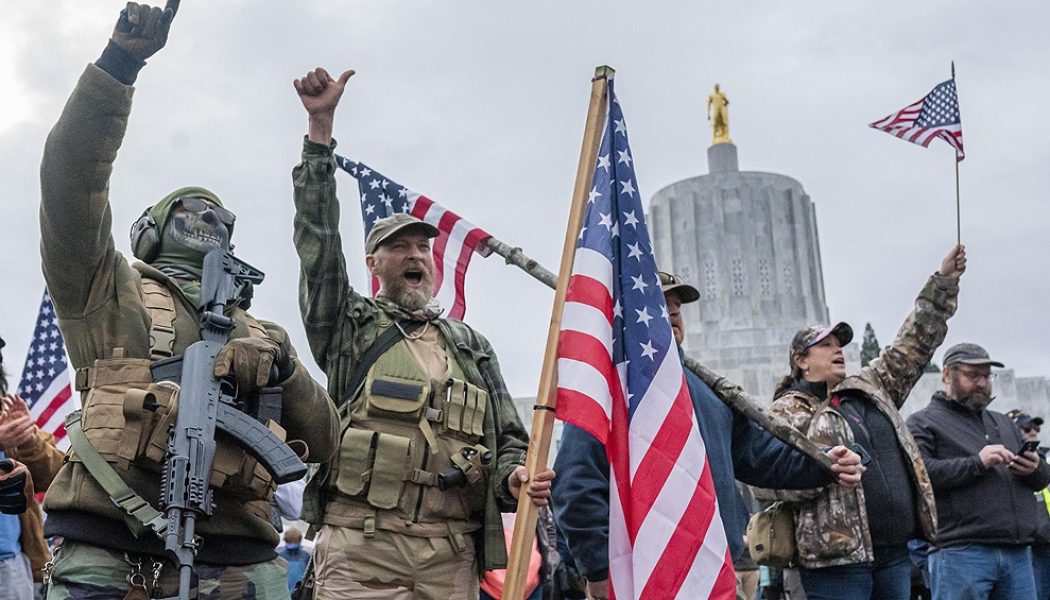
(459, 239)
(620, 378)
(934, 116)
(45, 377)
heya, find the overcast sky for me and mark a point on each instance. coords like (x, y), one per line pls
(480, 105)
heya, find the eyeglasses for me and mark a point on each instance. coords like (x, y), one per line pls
(198, 205)
(974, 376)
(1031, 428)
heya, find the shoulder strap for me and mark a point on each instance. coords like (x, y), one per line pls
(139, 515)
(160, 305)
(384, 342)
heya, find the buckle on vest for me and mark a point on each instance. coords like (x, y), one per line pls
(161, 341)
(82, 379)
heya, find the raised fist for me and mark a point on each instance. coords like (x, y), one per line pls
(319, 92)
(142, 29)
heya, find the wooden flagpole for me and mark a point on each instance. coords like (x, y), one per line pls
(728, 392)
(958, 218)
(546, 402)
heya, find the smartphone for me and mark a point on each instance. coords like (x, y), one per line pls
(1029, 446)
(865, 458)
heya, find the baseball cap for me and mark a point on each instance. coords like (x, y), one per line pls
(1024, 421)
(385, 229)
(969, 354)
(673, 283)
(808, 336)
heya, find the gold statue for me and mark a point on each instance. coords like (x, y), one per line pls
(721, 121)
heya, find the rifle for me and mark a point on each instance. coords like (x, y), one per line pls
(206, 404)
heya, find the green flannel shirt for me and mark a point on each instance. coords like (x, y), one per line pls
(341, 324)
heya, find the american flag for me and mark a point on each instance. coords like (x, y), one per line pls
(45, 377)
(620, 378)
(934, 116)
(459, 239)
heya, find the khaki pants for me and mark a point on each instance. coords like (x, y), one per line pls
(392, 566)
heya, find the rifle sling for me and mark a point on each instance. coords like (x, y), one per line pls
(384, 342)
(139, 515)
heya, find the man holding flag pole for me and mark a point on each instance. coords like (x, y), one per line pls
(639, 499)
(431, 446)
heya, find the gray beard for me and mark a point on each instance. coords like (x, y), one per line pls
(975, 402)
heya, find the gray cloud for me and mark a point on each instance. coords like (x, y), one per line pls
(481, 107)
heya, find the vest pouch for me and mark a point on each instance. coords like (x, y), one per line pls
(464, 410)
(356, 451)
(396, 398)
(771, 535)
(388, 470)
(109, 383)
(237, 473)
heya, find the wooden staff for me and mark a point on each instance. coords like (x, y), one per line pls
(728, 392)
(546, 402)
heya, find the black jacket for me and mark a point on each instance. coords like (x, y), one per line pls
(975, 504)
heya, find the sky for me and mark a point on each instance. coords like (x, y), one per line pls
(481, 105)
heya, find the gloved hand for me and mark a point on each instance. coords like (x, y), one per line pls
(253, 362)
(14, 487)
(142, 30)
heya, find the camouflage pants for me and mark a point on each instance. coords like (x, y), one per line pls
(86, 572)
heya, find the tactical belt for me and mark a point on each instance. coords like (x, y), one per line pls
(139, 515)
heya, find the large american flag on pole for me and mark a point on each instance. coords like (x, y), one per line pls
(620, 378)
(459, 239)
(936, 115)
(45, 382)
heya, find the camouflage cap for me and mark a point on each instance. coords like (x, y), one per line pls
(385, 228)
(673, 283)
(969, 354)
(808, 336)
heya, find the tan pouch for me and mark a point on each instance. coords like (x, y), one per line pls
(355, 465)
(388, 470)
(396, 398)
(464, 410)
(771, 535)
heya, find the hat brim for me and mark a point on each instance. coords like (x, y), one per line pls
(977, 362)
(841, 330)
(429, 230)
(685, 292)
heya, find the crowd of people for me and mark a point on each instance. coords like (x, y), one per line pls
(415, 446)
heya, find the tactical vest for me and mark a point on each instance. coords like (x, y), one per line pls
(410, 458)
(127, 416)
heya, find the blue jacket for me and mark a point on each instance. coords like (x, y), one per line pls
(737, 448)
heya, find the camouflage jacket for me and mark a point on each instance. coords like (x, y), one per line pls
(341, 324)
(98, 301)
(831, 523)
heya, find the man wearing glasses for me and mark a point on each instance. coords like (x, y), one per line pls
(983, 478)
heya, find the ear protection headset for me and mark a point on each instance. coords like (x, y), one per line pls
(145, 237)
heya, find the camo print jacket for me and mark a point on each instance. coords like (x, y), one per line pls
(831, 523)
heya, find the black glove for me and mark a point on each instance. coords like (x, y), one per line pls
(13, 479)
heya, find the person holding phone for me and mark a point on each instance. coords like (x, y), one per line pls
(983, 478)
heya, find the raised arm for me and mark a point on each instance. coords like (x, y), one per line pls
(900, 365)
(324, 286)
(75, 217)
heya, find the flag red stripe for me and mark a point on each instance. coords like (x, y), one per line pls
(474, 237)
(680, 553)
(56, 403)
(590, 291)
(662, 456)
(584, 412)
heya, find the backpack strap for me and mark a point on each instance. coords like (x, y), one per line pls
(384, 342)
